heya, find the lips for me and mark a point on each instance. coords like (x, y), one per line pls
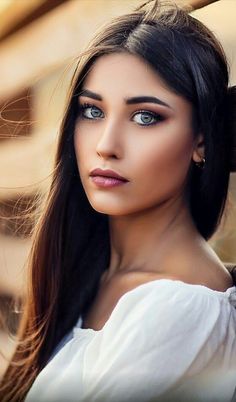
(107, 173)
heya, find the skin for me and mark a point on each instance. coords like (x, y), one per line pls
(152, 232)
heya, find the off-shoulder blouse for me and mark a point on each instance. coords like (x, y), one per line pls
(166, 340)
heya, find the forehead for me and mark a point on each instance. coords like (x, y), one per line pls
(123, 69)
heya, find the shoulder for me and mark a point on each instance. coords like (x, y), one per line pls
(170, 300)
(163, 318)
(172, 286)
(156, 286)
(158, 294)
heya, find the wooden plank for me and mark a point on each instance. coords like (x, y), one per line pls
(15, 11)
(200, 3)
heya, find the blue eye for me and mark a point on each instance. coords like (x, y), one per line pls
(90, 112)
(147, 118)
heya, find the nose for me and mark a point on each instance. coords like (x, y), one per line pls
(109, 143)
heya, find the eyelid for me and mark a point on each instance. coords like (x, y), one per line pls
(89, 104)
(146, 111)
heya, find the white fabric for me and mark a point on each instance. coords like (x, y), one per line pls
(164, 339)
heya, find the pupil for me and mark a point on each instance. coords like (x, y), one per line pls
(95, 112)
(146, 118)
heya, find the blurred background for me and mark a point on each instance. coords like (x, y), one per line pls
(39, 40)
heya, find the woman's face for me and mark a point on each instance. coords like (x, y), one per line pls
(147, 141)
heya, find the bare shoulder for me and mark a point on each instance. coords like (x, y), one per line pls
(210, 270)
(215, 276)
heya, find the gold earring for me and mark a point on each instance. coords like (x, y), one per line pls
(201, 164)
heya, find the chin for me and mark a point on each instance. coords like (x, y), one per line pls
(113, 210)
(108, 207)
(108, 210)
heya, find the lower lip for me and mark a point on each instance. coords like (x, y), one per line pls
(107, 181)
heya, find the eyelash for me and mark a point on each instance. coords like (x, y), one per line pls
(158, 118)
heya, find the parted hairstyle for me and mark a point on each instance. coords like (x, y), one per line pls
(71, 245)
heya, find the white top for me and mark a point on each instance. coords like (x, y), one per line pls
(165, 338)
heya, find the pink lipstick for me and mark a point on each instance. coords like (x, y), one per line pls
(107, 178)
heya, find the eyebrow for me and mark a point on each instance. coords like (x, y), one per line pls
(128, 101)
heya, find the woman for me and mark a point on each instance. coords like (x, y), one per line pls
(127, 300)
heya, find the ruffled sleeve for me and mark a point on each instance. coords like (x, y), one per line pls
(158, 334)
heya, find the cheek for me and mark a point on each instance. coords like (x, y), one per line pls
(165, 161)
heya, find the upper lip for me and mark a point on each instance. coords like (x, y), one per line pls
(107, 173)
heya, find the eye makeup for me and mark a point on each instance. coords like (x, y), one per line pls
(86, 109)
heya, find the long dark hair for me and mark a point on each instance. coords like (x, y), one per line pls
(71, 247)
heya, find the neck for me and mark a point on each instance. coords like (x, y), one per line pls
(150, 240)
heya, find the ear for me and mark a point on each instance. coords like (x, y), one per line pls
(199, 148)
